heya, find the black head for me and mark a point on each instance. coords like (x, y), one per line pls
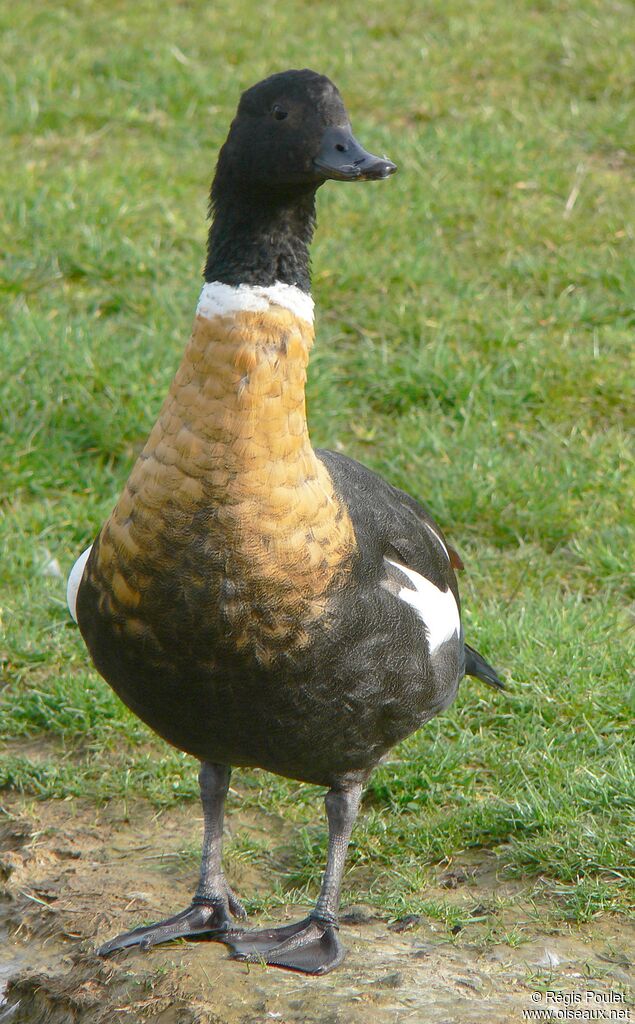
(291, 133)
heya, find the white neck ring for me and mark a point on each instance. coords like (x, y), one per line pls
(218, 299)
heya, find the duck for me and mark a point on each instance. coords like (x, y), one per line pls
(259, 603)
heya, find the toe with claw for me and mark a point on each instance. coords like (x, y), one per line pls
(201, 919)
(311, 946)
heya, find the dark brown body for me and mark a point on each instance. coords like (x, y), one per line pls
(236, 599)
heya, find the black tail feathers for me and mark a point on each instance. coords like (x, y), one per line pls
(475, 665)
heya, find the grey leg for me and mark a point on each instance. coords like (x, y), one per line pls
(213, 889)
(208, 914)
(311, 945)
(342, 806)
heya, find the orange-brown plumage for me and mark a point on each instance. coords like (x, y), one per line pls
(232, 436)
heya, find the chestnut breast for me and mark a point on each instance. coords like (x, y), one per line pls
(227, 513)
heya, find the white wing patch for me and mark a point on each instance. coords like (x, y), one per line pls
(219, 299)
(74, 580)
(438, 538)
(437, 608)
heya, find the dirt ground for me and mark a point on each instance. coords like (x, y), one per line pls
(74, 875)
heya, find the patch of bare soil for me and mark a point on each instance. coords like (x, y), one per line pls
(75, 875)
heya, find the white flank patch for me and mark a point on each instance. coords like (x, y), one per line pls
(437, 608)
(74, 581)
(224, 299)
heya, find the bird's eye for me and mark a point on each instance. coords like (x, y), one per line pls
(278, 112)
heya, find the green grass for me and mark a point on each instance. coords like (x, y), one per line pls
(474, 332)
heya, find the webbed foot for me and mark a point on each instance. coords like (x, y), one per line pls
(311, 946)
(202, 918)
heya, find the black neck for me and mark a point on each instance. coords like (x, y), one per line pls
(257, 239)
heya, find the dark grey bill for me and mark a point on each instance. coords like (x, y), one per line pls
(343, 159)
